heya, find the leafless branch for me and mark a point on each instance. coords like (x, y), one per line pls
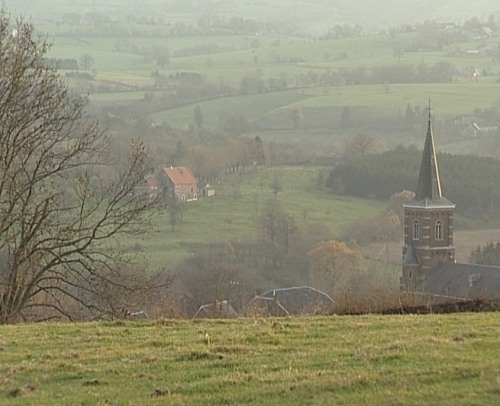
(58, 213)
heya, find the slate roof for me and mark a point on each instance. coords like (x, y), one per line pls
(180, 175)
(464, 280)
(411, 257)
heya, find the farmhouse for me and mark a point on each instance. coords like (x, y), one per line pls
(474, 130)
(180, 182)
(207, 190)
(429, 265)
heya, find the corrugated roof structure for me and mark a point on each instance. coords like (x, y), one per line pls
(288, 301)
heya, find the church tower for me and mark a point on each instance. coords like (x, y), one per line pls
(428, 223)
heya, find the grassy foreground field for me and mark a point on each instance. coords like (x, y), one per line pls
(349, 360)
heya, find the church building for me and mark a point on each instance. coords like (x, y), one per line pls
(429, 265)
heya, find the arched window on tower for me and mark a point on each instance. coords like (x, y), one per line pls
(415, 230)
(439, 230)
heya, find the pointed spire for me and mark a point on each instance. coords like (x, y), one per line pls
(429, 183)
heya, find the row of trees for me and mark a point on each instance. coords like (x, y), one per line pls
(472, 183)
(487, 255)
(133, 25)
(86, 62)
(255, 82)
(218, 24)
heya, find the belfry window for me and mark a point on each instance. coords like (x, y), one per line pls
(439, 230)
(415, 230)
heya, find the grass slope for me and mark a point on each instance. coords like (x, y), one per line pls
(411, 360)
(323, 111)
(233, 214)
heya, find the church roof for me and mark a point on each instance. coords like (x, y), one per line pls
(429, 192)
(429, 183)
(411, 257)
(464, 280)
(429, 203)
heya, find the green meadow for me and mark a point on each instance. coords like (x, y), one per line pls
(268, 55)
(124, 67)
(233, 213)
(323, 110)
(343, 360)
(238, 54)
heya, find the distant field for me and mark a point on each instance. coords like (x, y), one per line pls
(270, 113)
(123, 59)
(343, 360)
(253, 106)
(116, 96)
(448, 99)
(240, 53)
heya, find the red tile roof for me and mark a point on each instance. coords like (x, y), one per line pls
(180, 175)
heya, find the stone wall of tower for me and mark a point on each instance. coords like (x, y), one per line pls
(429, 230)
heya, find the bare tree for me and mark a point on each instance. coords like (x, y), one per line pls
(211, 277)
(297, 117)
(277, 184)
(198, 116)
(363, 144)
(277, 229)
(86, 61)
(58, 215)
(176, 209)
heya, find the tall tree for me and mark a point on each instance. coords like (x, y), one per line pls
(486, 255)
(277, 231)
(345, 118)
(362, 144)
(86, 61)
(175, 209)
(297, 117)
(59, 216)
(277, 184)
(198, 116)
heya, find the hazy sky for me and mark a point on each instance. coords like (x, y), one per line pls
(312, 15)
